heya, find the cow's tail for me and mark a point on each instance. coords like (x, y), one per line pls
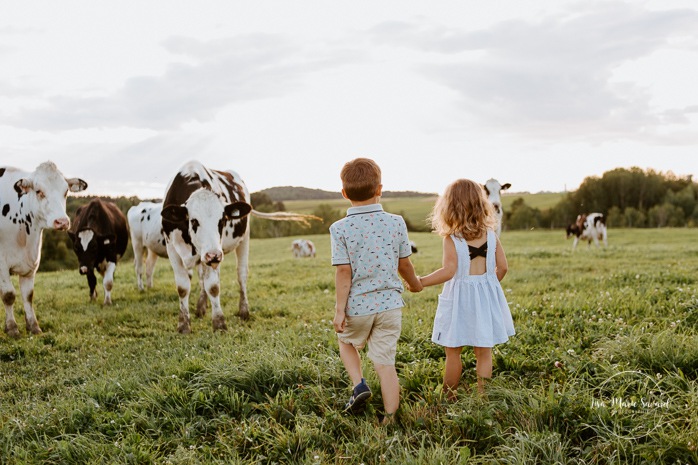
(286, 216)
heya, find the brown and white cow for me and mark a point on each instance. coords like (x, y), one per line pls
(100, 236)
(591, 227)
(205, 216)
(29, 203)
(493, 189)
(303, 248)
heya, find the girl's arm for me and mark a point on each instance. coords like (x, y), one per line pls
(448, 268)
(501, 260)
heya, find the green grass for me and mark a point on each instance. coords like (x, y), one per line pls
(119, 385)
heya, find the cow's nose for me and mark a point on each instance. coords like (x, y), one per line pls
(213, 258)
(61, 224)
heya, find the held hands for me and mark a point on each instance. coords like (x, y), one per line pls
(417, 288)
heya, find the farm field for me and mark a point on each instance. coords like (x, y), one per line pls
(418, 208)
(603, 369)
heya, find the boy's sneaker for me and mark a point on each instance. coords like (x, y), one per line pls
(359, 397)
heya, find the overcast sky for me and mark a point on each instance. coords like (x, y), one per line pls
(540, 94)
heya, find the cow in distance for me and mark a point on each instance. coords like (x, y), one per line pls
(100, 237)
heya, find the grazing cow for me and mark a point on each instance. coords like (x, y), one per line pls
(29, 203)
(100, 236)
(493, 189)
(303, 248)
(147, 238)
(590, 227)
(205, 216)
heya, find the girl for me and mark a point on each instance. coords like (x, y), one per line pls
(472, 309)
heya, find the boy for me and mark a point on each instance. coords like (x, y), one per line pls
(369, 248)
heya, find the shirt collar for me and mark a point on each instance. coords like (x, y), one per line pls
(372, 208)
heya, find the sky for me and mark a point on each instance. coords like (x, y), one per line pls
(539, 94)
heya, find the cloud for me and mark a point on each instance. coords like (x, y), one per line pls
(211, 75)
(553, 77)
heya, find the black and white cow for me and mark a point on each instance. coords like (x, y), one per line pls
(205, 216)
(591, 227)
(29, 203)
(493, 189)
(147, 238)
(100, 236)
(303, 248)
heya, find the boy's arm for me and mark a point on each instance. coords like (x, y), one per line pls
(501, 261)
(342, 284)
(448, 268)
(406, 270)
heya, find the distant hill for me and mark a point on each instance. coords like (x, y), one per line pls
(284, 193)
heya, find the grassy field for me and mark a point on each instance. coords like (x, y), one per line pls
(603, 370)
(417, 208)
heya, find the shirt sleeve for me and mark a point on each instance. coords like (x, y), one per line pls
(405, 248)
(340, 254)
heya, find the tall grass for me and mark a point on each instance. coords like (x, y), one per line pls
(602, 369)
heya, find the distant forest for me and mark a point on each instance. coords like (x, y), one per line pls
(632, 198)
(284, 193)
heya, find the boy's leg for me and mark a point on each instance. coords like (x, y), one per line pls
(382, 348)
(352, 362)
(483, 366)
(454, 367)
(390, 387)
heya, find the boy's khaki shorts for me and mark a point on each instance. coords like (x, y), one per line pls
(381, 331)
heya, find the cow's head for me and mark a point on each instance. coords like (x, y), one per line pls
(573, 230)
(47, 189)
(204, 215)
(493, 189)
(87, 244)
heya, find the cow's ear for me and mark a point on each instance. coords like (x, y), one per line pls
(23, 186)
(506, 186)
(76, 184)
(237, 210)
(175, 214)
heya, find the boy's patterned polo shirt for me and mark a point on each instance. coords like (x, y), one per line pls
(372, 242)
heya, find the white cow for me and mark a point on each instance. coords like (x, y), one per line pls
(147, 238)
(493, 189)
(303, 248)
(205, 216)
(29, 203)
(591, 227)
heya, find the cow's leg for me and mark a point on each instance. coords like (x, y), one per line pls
(242, 253)
(7, 291)
(604, 234)
(26, 286)
(150, 268)
(574, 242)
(183, 281)
(203, 299)
(138, 262)
(211, 281)
(92, 283)
(108, 282)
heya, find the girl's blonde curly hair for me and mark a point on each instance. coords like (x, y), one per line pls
(463, 210)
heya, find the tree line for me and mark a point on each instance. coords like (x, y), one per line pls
(630, 198)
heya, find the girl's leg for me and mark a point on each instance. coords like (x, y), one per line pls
(454, 367)
(483, 366)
